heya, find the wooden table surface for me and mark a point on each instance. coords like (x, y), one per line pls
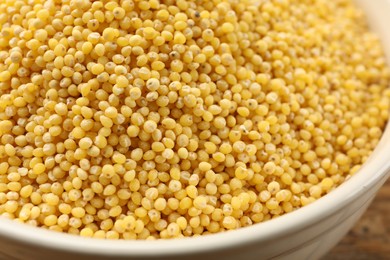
(370, 238)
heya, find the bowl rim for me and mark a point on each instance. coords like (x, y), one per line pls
(376, 170)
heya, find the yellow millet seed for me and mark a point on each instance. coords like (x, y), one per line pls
(147, 120)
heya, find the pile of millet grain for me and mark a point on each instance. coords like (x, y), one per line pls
(147, 119)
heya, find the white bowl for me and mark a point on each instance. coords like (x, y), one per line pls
(307, 233)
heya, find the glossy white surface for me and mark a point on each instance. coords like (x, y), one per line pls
(307, 233)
